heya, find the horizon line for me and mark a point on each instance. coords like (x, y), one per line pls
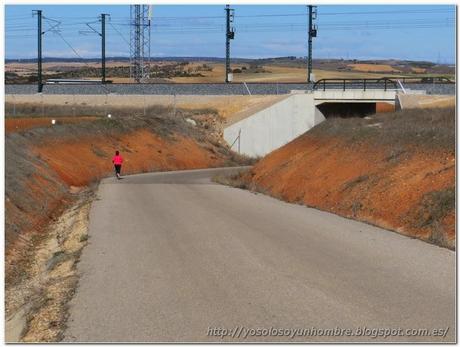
(235, 58)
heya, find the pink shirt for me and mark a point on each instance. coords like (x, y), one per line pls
(117, 160)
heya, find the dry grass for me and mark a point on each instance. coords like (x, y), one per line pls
(227, 106)
(57, 110)
(427, 128)
(408, 101)
(36, 306)
(237, 180)
(241, 159)
(375, 68)
(435, 206)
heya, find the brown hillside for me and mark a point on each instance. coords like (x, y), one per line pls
(45, 166)
(394, 170)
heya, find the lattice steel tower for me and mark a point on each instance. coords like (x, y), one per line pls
(141, 16)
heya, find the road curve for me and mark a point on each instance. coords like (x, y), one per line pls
(174, 257)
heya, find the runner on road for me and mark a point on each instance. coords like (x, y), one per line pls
(117, 160)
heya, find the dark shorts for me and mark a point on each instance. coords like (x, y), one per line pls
(117, 168)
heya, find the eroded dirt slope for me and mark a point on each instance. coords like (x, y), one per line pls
(50, 175)
(393, 170)
(44, 166)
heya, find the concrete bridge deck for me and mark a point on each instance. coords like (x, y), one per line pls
(354, 96)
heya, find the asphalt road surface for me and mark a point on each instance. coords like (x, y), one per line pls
(175, 257)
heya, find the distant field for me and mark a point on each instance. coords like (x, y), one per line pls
(376, 68)
(271, 74)
(276, 73)
(268, 70)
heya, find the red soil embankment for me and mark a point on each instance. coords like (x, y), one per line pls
(402, 186)
(81, 162)
(20, 124)
(44, 166)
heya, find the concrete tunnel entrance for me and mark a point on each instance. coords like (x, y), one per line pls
(347, 109)
(272, 127)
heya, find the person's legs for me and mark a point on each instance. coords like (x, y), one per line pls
(117, 170)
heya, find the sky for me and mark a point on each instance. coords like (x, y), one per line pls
(412, 32)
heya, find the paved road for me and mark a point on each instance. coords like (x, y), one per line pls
(172, 256)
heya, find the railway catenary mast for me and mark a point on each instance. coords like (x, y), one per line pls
(103, 18)
(229, 35)
(312, 31)
(101, 33)
(39, 49)
(140, 21)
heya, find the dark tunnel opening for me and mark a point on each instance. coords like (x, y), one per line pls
(347, 109)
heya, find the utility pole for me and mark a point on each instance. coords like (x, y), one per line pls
(103, 45)
(312, 31)
(39, 57)
(229, 35)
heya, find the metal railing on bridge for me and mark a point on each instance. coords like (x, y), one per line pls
(355, 84)
(426, 80)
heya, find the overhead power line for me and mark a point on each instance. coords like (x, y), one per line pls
(120, 34)
(69, 45)
(372, 23)
(441, 10)
(258, 28)
(219, 26)
(300, 14)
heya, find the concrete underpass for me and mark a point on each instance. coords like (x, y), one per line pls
(345, 110)
(280, 123)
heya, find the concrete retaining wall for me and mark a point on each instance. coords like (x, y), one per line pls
(274, 126)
